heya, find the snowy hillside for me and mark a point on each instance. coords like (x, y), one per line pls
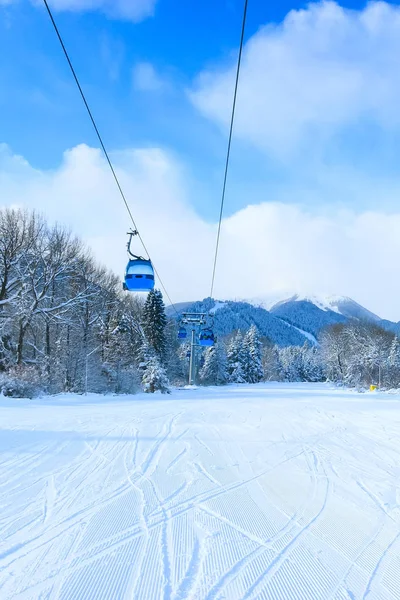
(313, 313)
(230, 316)
(243, 493)
(306, 315)
(288, 322)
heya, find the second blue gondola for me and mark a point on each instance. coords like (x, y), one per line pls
(182, 333)
(206, 337)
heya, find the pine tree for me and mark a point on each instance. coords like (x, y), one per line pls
(173, 363)
(155, 322)
(214, 370)
(154, 376)
(234, 351)
(271, 364)
(290, 360)
(237, 375)
(252, 359)
(119, 352)
(235, 360)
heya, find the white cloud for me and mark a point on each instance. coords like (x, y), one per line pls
(82, 194)
(146, 79)
(270, 249)
(323, 69)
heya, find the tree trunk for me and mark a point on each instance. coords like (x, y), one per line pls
(20, 345)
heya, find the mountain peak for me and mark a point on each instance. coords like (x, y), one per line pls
(325, 302)
(342, 305)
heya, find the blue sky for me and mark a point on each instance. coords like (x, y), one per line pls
(41, 113)
(313, 191)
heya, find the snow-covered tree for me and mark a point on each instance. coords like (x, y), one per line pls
(59, 309)
(237, 375)
(154, 375)
(291, 363)
(301, 363)
(359, 353)
(312, 367)
(120, 340)
(332, 349)
(214, 370)
(175, 361)
(271, 363)
(155, 322)
(252, 356)
(394, 354)
(235, 359)
(394, 362)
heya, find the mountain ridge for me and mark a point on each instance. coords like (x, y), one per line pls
(289, 322)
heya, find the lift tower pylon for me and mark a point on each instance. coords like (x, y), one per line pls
(195, 321)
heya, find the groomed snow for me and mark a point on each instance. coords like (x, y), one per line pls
(274, 491)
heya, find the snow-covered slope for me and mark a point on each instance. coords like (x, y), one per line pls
(274, 491)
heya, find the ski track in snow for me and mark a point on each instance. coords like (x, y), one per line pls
(265, 492)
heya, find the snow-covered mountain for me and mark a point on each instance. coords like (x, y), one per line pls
(313, 313)
(341, 305)
(307, 315)
(289, 322)
(231, 315)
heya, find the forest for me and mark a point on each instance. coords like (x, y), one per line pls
(66, 325)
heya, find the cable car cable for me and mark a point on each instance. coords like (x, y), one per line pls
(102, 145)
(229, 144)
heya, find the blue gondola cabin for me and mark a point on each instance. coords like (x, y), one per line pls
(182, 333)
(206, 338)
(139, 276)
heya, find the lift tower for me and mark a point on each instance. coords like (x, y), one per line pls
(194, 321)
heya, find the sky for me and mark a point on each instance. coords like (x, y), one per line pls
(313, 193)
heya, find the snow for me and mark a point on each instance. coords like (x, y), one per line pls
(217, 306)
(270, 491)
(323, 302)
(266, 302)
(308, 335)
